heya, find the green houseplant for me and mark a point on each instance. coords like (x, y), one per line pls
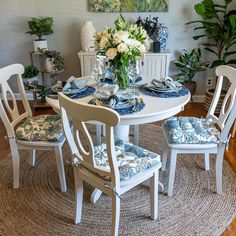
(218, 26)
(189, 65)
(54, 61)
(40, 27)
(30, 76)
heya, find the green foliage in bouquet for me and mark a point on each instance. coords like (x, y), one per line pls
(121, 44)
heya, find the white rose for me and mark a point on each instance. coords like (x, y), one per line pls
(122, 47)
(103, 42)
(111, 53)
(133, 43)
(120, 36)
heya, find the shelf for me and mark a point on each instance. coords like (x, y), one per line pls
(38, 104)
(51, 73)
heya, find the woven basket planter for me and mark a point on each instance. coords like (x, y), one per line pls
(209, 97)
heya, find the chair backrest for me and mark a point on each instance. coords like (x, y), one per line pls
(80, 114)
(227, 114)
(9, 113)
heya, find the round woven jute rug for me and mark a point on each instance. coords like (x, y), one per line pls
(39, 208)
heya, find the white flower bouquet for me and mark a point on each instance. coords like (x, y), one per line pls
(121, 45)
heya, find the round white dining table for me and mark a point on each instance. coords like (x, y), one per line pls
(155, 109)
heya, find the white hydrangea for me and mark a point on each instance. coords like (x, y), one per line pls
(141, 48)
(132, 43)
(111, 53)
(120, 36)
(122, 47)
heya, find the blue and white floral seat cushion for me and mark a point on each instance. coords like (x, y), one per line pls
(41, 128)
(190, 130)
(131, 159)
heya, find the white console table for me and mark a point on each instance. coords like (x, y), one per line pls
(154, 65)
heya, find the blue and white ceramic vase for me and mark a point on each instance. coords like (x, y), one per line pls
(163, 36)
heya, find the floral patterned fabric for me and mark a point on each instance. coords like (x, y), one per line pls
(190, 130)
(131, 159)
(41, 128)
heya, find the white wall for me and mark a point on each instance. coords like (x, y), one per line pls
(69, 16)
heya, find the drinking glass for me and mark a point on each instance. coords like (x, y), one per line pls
(95, 72)
(134, 73)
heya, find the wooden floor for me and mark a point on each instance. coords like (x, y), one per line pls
(192, 109)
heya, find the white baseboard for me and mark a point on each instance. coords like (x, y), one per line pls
(199, 98)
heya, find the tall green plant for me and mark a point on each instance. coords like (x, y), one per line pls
(218, 26)
(40, 26)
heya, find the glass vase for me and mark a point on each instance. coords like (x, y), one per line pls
(122, 76)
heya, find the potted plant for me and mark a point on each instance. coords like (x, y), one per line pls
(156, 32)
(218, 24)
(54, 61)
(30, 76)
(189, 65)
(40, 27)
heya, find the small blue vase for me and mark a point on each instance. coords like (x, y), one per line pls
(163, 36)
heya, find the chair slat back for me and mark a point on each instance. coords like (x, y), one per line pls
(15, 71)
(80, 114)
(228, 110)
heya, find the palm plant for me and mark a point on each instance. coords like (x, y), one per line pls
(218, 24)
(189, 65)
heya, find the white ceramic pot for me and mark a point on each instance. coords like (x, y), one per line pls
(49, 65)
(87, 37)
(42, 44)
(31, 81)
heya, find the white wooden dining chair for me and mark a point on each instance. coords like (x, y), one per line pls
(44, 132)
(114, 167)
(209, 135)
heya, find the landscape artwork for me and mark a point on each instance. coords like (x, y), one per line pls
(128, 5)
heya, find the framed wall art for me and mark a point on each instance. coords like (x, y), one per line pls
(128, 5)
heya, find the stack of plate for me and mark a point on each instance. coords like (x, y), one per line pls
(122, 104)
(163, 86)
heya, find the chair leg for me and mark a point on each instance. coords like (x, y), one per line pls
(78, 196)
(60, 168)
(99, 134)
(207, 161)
(154, 195)
(32, 154)
(15, 163)
(136, 134)
(173, 157)
(164, 155)
(234, 130)
(219, 168)
(115, 215)
(95, 195)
